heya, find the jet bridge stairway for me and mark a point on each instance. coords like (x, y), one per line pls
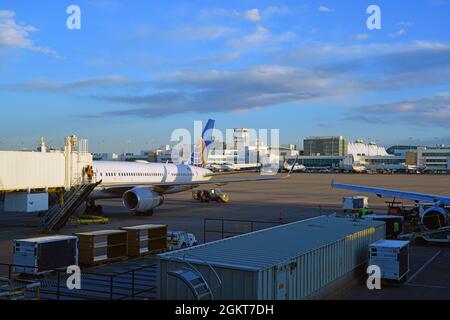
(195, 280)
(58, 215)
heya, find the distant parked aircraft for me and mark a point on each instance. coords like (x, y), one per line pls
(297, 167)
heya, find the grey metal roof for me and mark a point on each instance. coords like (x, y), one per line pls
(271, 247)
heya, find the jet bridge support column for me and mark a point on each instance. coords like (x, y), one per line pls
(68, 151)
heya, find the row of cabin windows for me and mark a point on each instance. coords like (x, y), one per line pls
(142, 174)
(131, 174)
(182, 174)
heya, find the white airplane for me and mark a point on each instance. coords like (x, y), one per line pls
(435, 216)
(297, 167)
(234, 166)
(142, 185)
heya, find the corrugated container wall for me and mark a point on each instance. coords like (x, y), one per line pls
(315, 270)
(301, 260)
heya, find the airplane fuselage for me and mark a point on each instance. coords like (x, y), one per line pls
(113, 173)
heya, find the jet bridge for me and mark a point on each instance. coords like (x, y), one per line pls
(26, 173)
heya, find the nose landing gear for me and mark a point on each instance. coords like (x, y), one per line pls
(92, 208)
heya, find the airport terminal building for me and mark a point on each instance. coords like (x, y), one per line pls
(319, 153)
(336, 153)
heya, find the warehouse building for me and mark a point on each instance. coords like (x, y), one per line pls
(314, 258)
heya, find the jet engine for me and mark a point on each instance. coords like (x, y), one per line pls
(140, 200)
(434, 218)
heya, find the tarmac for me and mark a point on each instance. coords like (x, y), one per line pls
(300, 197)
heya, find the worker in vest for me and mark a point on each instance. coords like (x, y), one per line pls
(363, 212)
(396, 227)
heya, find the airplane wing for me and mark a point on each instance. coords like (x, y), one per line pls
(380, 192)
(228, 173)
(162, 186)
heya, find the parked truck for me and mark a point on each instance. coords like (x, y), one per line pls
(177, 240)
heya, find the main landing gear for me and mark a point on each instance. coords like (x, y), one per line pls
(92, 208)
(148, 213)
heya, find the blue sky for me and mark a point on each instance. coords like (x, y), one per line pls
(139, 69)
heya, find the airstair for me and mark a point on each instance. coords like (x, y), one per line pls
(194, 279)
(58, 215)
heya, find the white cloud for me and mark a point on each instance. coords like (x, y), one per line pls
(215, 59)
(53, 86)
(252, 15)
(435, 109)
(325, 9)
(275, 10)
(364, 51)
(203, 32)
(260, 36)
(361, 36)
(406, 24)
(15, 35)
(399, 33)
(12, 34)
(225, 91)
(221, 12)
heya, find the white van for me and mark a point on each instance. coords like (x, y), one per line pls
(177, 240)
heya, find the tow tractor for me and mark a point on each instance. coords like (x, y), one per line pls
(211, 195)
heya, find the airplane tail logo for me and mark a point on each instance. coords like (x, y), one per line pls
(204, 143)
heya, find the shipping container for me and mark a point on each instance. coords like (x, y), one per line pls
(308, 259)
(392, 257)
(102, 246)
(146, 239)
(39, 255)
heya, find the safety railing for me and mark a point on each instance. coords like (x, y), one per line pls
(134, 284)
(232, 227)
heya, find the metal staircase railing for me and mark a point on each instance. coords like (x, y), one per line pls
(57, 217)
(194, 279)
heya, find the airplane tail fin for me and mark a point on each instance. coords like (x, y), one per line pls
(207, 133)
(205, 142)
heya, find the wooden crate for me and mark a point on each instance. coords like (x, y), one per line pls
(146, 239)
(101, 246)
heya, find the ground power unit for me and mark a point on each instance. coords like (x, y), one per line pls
(392, 256)
(40, 255)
